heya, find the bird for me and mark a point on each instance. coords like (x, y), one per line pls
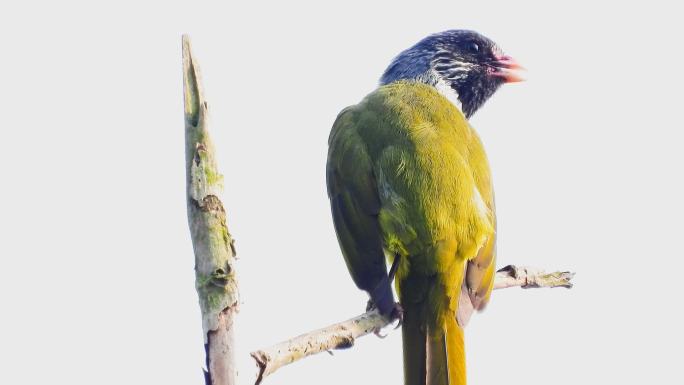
(409, 183)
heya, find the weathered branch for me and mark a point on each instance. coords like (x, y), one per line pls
(527, 277)
(339, 336)
(342, 335)
(213, 246)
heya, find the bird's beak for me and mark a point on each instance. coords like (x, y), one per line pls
(505, 67)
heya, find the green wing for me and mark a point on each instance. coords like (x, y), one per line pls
(355, 205)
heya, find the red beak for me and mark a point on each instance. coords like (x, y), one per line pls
(505, 66)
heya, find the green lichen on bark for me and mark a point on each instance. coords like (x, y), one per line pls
(213, 246)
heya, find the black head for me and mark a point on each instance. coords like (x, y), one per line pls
(461, 64)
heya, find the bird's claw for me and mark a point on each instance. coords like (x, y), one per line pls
(397, 314)
(378, 333)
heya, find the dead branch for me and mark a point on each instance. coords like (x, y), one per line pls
(342, 335)
(213, 246)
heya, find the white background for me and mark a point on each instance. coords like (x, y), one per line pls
(96, 273)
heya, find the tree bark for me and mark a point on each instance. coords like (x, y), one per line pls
(213, 246)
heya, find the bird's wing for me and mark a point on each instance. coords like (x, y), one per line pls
(481, 270)
(479, 281)
(480, 273)
(355, 204)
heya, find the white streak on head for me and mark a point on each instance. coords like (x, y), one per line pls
(448, 92)
(433, 78)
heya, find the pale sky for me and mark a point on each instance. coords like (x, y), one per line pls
(97, 281)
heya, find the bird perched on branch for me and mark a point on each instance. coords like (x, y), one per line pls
(408, 180)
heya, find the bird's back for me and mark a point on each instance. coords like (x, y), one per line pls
(431, 171)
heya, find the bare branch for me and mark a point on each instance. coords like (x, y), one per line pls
(342, 335)
(527, 277)
(339, 336)
(213, 246)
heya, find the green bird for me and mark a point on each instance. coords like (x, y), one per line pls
(408, 181)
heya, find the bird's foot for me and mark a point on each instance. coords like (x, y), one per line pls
(370, 305)
(396, 315)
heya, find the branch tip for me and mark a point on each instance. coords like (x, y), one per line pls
(192, 89)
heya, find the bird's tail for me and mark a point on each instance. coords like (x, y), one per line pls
(446, 354)
(434, 352)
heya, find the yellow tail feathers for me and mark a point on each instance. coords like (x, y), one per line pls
(432, 356)
(446, 355)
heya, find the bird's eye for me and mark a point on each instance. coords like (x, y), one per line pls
(473, 48)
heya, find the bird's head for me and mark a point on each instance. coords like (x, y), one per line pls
(463, 65)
